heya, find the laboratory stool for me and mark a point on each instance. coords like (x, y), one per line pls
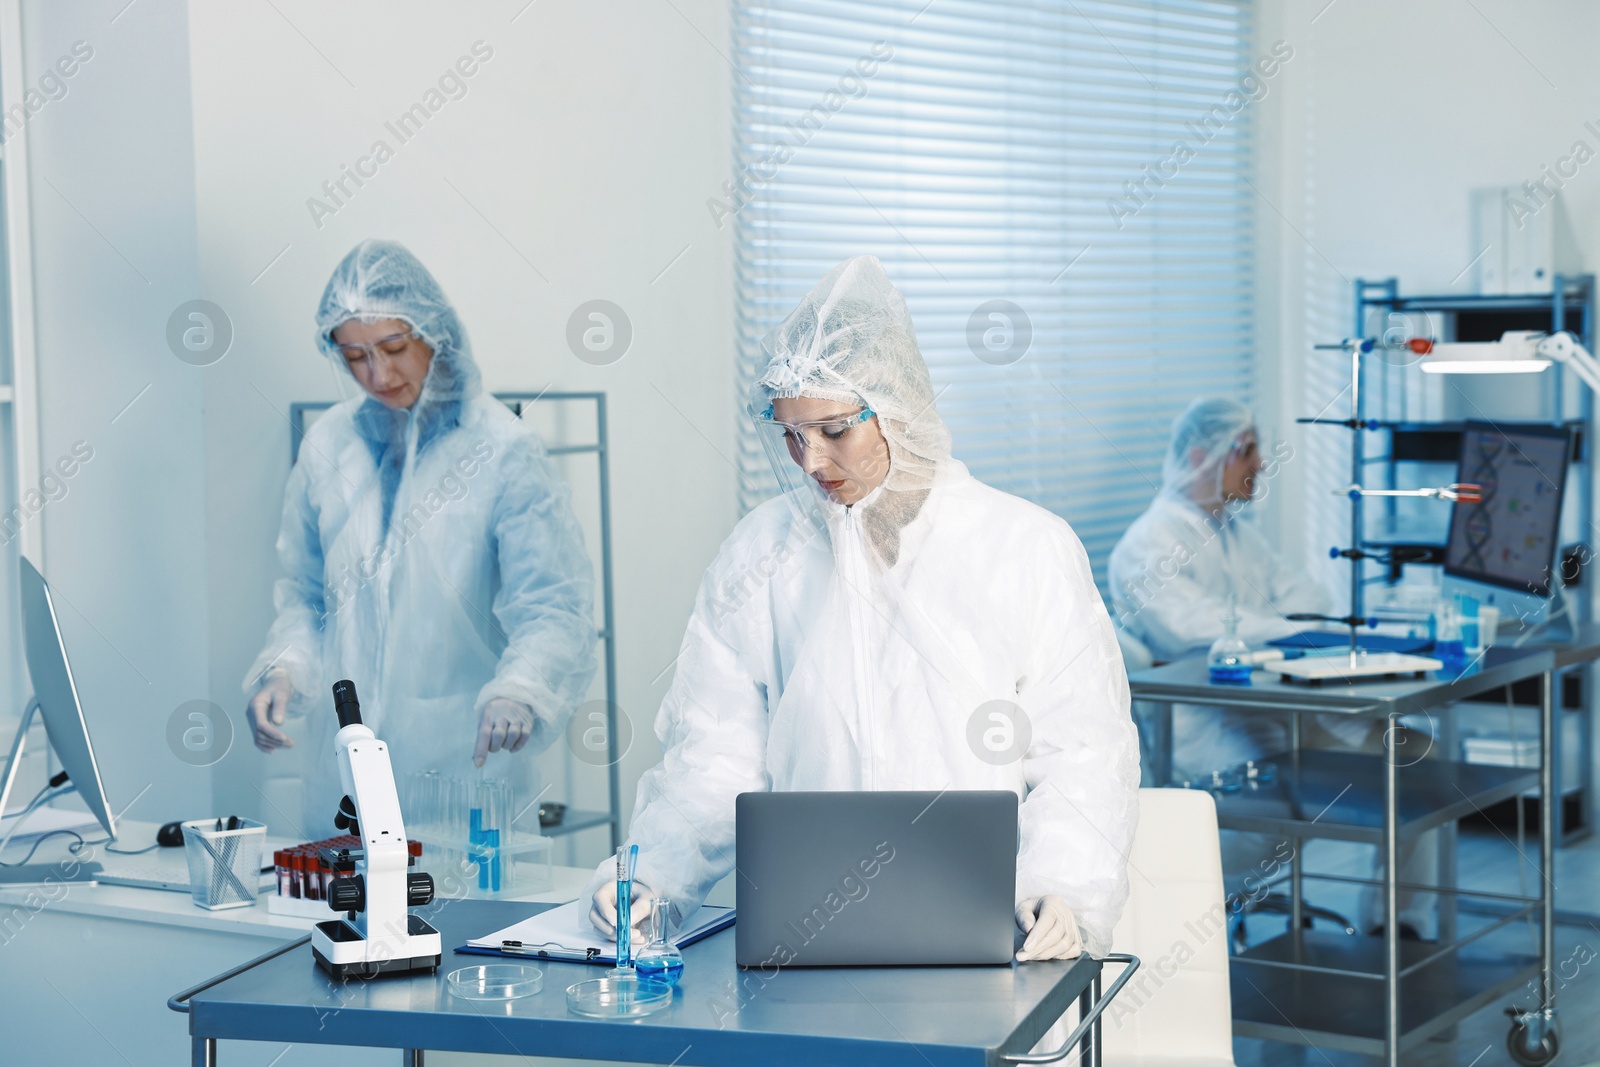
(1176, 1011)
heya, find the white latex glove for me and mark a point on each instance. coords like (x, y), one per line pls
(603, 909)
(266, 710)
(504, 724)
(1051, 927)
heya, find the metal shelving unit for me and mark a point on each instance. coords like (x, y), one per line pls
(1570, 306)
(573, 820)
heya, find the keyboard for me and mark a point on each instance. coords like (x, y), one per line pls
(165, 868)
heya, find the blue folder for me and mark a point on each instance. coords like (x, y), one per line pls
(1308, 640)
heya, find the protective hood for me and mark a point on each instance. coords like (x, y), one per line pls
(1202, 438)
(380, 280)
(850, 340)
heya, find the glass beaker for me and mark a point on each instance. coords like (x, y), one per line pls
(1229, 658)
(660, 959)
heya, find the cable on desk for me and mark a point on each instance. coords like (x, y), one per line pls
(44, 795)
(76, 848)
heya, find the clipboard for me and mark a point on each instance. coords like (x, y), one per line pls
(557, 935)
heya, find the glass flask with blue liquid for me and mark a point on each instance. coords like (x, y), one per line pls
(1229, 658)
(660, 959)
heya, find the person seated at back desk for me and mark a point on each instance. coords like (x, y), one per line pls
(1182, 566)
(1192, 557)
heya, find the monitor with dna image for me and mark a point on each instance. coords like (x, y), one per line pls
(1510, 537)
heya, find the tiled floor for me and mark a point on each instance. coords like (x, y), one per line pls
(1488, 859)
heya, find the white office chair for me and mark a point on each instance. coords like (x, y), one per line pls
(1176, 1010)
(1136, 657)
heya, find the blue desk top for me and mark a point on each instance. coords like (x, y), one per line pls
(922, 1016)
(1188, 680)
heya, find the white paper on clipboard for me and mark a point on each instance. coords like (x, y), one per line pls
(567, 929)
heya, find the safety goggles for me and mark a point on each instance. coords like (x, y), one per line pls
(826, 434)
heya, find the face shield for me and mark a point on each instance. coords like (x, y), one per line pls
(841, 454)
(846, 408)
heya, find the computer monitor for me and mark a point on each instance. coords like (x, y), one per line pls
(1510, 538)
(55, 697)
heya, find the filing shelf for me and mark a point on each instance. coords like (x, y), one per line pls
(1346, 1012)
(1339, 795)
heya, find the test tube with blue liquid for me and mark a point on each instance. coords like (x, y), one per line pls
(475, 843)
(487, 826)
(627, 859)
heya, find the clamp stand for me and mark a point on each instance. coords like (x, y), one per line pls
(1358, 664)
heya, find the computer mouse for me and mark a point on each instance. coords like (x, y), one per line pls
(170, 835)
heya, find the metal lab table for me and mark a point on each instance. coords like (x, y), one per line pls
(1575, 653)
(1360, 994)
(915, 1016)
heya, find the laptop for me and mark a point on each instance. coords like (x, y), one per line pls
(876, 879)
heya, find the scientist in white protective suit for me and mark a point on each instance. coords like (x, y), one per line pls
(1191, 557)
(1180, 568)
(430, 551)
(849, 630)
(1180, 564)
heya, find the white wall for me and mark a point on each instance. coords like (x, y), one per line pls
(112, 186)
(586, 145)
(1389, 115)
(1417, 103)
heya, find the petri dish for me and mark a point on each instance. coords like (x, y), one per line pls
(618, 998)
(496, 981)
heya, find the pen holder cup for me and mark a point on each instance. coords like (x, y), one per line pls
(224, 865)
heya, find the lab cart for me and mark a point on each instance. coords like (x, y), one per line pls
(1383, 995)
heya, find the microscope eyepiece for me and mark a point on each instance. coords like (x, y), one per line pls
(345, 704)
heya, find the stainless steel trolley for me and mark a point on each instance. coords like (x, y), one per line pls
(1379, 996)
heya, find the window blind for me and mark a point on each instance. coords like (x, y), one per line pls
(1017, 152)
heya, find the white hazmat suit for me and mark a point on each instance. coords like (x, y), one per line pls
(1173, 577)
(431, 556)
(938, 634)
(1176, 571)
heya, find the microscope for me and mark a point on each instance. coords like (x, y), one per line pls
(379, 935)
